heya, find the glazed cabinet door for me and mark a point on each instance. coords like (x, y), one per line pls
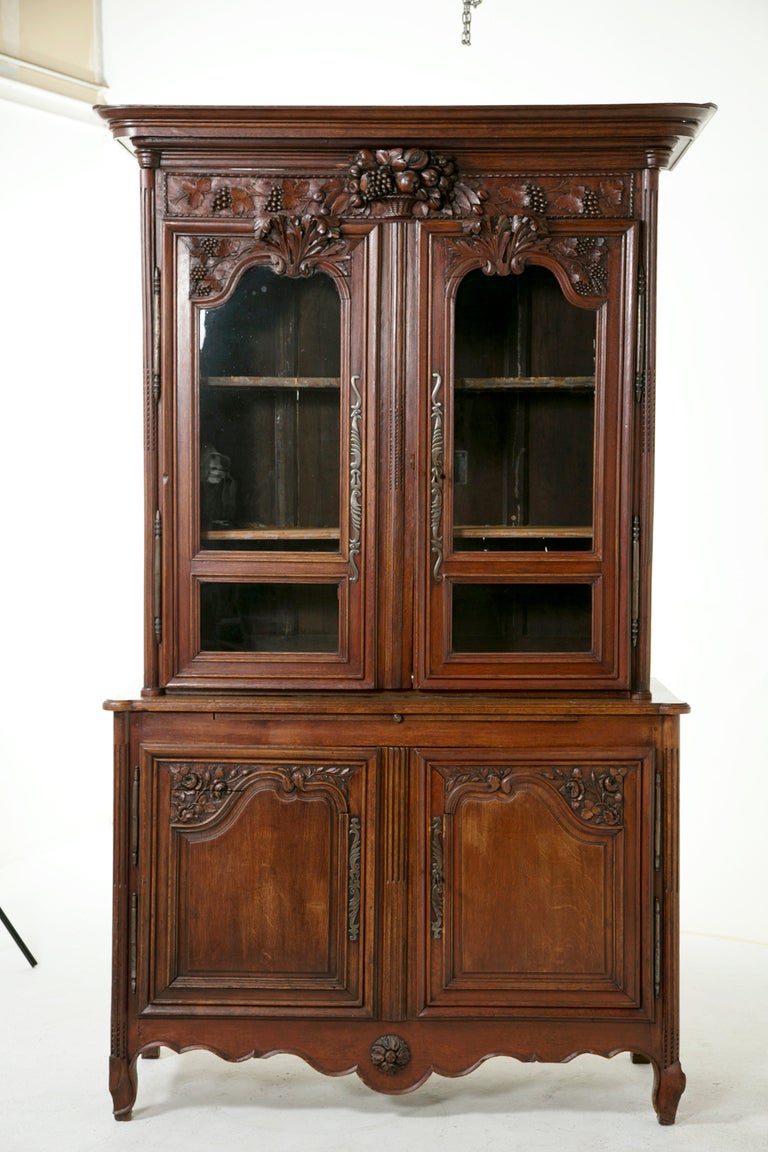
(255, 872)
(525, 414)
(273, 458)
(538, 886)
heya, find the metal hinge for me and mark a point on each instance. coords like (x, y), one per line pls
(657, 948)
(133, 937)
(657, 823)
(640, 365)
(635, 580)
(157, 582)
(156, 335)
(135, 817)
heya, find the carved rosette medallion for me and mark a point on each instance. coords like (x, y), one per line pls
(390, 1053)
(596, 797)
(201, 791)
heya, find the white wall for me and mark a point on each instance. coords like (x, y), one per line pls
(71, 391)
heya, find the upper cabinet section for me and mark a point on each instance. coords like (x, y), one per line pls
(400, 393)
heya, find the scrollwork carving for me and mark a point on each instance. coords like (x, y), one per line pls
(355, 480)
(436, 478)
(353, 903)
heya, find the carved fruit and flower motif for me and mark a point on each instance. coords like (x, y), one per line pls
(401, 181)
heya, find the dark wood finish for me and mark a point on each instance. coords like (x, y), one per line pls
(397, 795)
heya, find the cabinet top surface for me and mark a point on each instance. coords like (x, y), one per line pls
(644, 135)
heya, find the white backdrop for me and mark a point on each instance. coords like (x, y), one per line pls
(71, 391)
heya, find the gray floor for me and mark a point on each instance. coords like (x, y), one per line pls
(53, 1072)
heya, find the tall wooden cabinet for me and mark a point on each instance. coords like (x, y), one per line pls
(397, 796)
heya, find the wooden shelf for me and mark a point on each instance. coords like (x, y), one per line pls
(518, 383)
(270, 381)
(519, 532)
(270, 534)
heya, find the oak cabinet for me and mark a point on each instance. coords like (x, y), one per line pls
(397, 794)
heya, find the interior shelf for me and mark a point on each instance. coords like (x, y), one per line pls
(492, 383)
(270, 381)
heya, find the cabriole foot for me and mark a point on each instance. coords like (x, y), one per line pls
(123, 1084)
(668, 1087)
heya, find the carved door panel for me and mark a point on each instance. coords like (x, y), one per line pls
(273, 456)
(256, 869)
(526, 465)
(538, 883)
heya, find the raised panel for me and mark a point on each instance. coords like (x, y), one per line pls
(258, 869)
(538, 885)
(548, 905)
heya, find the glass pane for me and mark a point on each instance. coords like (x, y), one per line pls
(269, 416)
(522, 618)
(524, 415)
(269, 617)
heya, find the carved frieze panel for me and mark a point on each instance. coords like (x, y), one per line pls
(202, 791)
(401, 181)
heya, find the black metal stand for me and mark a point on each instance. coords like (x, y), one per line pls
(17, 938)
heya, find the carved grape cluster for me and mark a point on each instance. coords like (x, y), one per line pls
(274, 201)
(222, 199)
(590, 204)
(423, 179)
(535, 198)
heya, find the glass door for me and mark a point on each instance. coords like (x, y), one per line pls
(523, 416)
(274, 520)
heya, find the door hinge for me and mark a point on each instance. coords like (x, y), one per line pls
(135, 818)
(157, 582)
(133, 938)
(635, 580)
(657, 823)
(640, 364)
(156, 335)
(657, 948)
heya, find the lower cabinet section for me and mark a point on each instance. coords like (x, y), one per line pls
(401, 886)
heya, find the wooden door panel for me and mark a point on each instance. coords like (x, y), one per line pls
(538, 883)
(257, 870)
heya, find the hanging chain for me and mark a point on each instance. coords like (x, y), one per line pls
(466, 20)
